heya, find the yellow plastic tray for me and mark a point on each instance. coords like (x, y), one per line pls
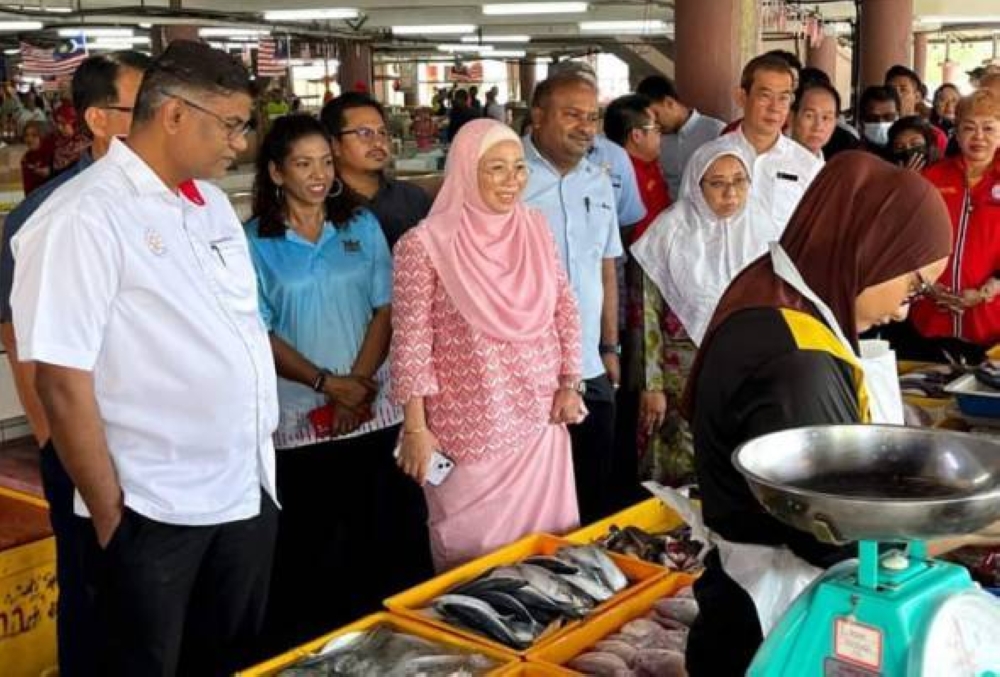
(566, 648)
(411, 603)
(28, 595)
(536, 670)
(506, 657)
(650, 515)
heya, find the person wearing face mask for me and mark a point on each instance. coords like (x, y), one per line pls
(879, 109)
(912, 143)
(688, 257)
(911, 92)
(781, 351)
(965, 304)
(486, 354)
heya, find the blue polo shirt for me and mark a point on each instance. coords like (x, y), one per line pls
(615, 162)
(320, 298)
(580, 210)
(18, 217)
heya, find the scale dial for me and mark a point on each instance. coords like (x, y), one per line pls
(962, 638)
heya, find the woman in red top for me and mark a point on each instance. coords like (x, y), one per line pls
(36, 163)
(965, 305)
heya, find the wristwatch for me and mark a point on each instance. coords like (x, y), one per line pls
(579, 387)
(609, 349)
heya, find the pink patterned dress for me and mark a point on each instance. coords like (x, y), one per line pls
(488, 402)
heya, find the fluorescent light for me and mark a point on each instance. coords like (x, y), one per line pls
(958, 18)
(464, 48)
(96, 32)
(311, 14)
(514, 8)
(12, 51)
(117, 43)
(651, 26)
(222, 32)
(438, 29)
(20, 25)
(505, 53)
(497, 38)
(146, 26)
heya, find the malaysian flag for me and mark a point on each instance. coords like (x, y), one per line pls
(272, 57)
(62, 60)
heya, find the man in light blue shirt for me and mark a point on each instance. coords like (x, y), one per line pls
(579, 203)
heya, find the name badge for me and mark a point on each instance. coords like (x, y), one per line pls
(787, 177)
(352, 246)
(995, 193)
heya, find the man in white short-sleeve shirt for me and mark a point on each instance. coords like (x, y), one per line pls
(135, 295)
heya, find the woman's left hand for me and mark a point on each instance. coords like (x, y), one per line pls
(567, 407)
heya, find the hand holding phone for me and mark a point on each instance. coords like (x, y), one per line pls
(421, 460)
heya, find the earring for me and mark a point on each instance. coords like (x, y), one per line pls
(279, 194)
(338, 188)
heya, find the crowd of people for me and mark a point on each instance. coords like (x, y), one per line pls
(237, 420)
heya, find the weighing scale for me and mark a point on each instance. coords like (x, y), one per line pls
(891, 612)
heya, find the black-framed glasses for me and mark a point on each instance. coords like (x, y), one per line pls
(120, 109)
(367, 135)
(924, 288)
(234, 128)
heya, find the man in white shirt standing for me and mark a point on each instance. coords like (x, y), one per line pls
(782, 169)
(135, 295)
(685, 130)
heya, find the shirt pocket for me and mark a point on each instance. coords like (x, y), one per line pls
(235, 277)
(784, 199)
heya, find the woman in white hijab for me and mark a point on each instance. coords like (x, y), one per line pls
(688, 255)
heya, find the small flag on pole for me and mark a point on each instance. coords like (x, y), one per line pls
(272, 57)
(62, 60)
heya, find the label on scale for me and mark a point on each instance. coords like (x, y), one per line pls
(858, 643)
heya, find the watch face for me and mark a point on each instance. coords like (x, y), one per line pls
(963, 637)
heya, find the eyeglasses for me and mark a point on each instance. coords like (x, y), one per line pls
(783, 99)
(498, 174)
(924, 288)
(652, 127)
(234, 128)
(367, 135)
(120, 109)
(739, 184)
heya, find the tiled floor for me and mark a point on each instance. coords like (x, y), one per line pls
(19, 466)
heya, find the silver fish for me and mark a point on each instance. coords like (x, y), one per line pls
(594, 559)
(478, 616)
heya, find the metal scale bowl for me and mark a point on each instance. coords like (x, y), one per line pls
(886, 613)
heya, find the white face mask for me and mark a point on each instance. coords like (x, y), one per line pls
(877, 132)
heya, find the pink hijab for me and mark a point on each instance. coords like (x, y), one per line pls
(498, 269)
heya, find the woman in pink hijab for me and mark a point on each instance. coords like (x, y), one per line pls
(485, 355)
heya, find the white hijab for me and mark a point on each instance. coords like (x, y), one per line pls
(692, 255)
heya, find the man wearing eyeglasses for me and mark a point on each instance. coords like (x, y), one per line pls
(782, 169)
(135, 296)
(104, 89)
(362, 150)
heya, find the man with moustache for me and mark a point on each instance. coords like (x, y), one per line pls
(135, 296)
(361, 153)
(578, 201)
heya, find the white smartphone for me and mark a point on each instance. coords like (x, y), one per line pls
(438, 469)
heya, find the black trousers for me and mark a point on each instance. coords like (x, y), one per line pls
(727, 633)
(75, 617)
(593, 457)
(626, 488)
(182, 600)
(352, 531)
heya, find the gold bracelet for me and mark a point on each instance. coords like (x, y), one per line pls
(414, 432)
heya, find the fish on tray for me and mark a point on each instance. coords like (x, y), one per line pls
(384, 652)
(648, 646)
(518, 603)
(675, 549)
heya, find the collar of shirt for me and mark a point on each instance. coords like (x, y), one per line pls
(690, 123)
(142, 177)
(325, 235)
(536, 159)
(779, 148)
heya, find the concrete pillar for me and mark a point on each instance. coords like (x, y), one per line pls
(920, 55)
(713, 40)
(355, 65)
(526, 76)
(161, 36)
(824, 56)
(885, 38)
(951, 71)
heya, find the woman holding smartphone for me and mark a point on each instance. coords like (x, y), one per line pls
(324, 275)
(486, 355)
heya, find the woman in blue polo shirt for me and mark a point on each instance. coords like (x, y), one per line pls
(324, 275)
